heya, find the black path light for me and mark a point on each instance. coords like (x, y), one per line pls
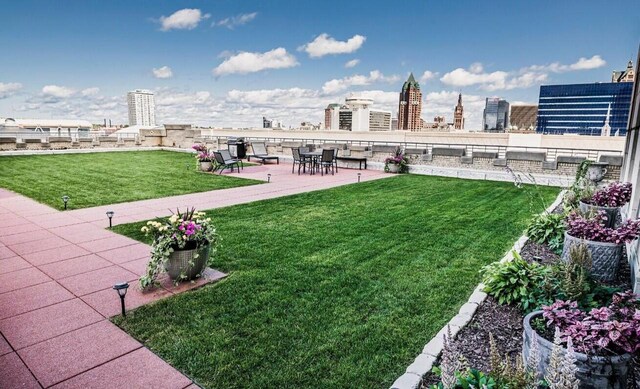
(359, 174)
(65, 199)
(269, 177)
(121, 288)
(110, 216)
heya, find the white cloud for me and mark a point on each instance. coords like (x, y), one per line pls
(184, 19)
(337, 85)
(594, 62)
(352, 63)
(90, 91)
(245, 62)
(9, 89)
(476, 68)
(163, 72)
(57, 91)
(323, 45)
(427, 75)
(237, 20)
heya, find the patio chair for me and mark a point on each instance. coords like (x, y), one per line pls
(326, 161)
(260, 152)
(297, 159)
(225, 161)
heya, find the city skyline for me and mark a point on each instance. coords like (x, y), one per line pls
(228, 64)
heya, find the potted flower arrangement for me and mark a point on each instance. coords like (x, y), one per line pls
(604, 243)
(604, 338)
(397, 163)
(203, 155)
(608, 199)
(182, 246)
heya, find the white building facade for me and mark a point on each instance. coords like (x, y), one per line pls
(356, 115)
(142, 107)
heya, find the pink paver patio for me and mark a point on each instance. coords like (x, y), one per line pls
(56, 275)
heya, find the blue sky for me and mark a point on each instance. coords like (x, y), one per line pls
(228, 63)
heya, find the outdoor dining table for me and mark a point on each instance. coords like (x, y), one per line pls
(313, 156)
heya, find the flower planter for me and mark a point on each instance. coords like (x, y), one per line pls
(593, 372)
(180, 262)
(206, 166)
(612, 212)
(604, 256)
(393, 168)
(596, 171)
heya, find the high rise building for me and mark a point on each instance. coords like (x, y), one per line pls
(584, 108)
(495, 117)
(328, 113)
(458, 115)
(627, 75)
(266, 123)
(356, 115)
(410, 107)
(142, 108)
(523, 116)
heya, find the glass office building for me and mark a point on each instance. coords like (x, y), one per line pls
(495, 117)
(582, 108)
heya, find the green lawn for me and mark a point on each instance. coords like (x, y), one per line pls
(338, 288)
(107, 178)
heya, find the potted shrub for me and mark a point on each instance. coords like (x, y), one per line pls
(204, 156)
(182, 246)
(604, 339)
(604, 243)
(396, 163)
(608, 199)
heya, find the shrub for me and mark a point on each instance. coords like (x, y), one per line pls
(592, 228)
(582, 188)
(605, 330)
(515, 282)
(615, 194)
(546, 228)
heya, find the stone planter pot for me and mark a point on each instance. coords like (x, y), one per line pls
(605, 256)
(206, 166)
(593, 372)
(612, 212)
(596, 171)
(394, 168)
(179, 262)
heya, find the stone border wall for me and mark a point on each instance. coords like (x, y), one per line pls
(412, 378)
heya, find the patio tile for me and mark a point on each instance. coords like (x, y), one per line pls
(55, 254)
(9, 240)
(137, 266)
(209, 276)
(4, 346)
(127, 253)
(51, 222)
(81, 233)
(65, 356)
(14, 221)
(108, 304)
(96, 280)
(14, 374)
(12, 264)
(34, 297)
(138, 369)
(73, 266)
(6, 252)
(110, 243)
(45, 323)
(38, 245)
(21, 279)
(21, 229)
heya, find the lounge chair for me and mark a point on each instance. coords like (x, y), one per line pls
(224, 160)
(260, 152)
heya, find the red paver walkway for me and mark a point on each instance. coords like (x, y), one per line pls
(56, 275)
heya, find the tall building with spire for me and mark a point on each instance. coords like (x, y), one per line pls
(458, 118)
(410, 106)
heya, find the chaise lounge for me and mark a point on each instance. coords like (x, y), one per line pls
(260, 152)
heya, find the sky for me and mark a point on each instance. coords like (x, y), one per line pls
(227, 63)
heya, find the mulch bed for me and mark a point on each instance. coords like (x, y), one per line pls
(505, 322)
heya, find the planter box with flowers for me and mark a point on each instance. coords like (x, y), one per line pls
(604, 243)
(604, 338)
(608, 199)
(182, 246)
(397, 163)
(204, 157)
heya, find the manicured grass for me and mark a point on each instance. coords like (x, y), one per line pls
(338, 288)
(107, 178)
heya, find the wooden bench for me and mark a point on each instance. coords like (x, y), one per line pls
(354, 159)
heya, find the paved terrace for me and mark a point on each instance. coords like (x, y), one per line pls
(57, 270)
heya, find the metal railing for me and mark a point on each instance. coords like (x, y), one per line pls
(44, 136)
(552, 153)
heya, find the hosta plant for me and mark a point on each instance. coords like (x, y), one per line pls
(547, 228)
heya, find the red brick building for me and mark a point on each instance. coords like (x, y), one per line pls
(458, 118)
(410, 106)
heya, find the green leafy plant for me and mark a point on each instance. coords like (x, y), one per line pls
(515, 282)
(582, 188)
(398, 158)
(547, 228)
